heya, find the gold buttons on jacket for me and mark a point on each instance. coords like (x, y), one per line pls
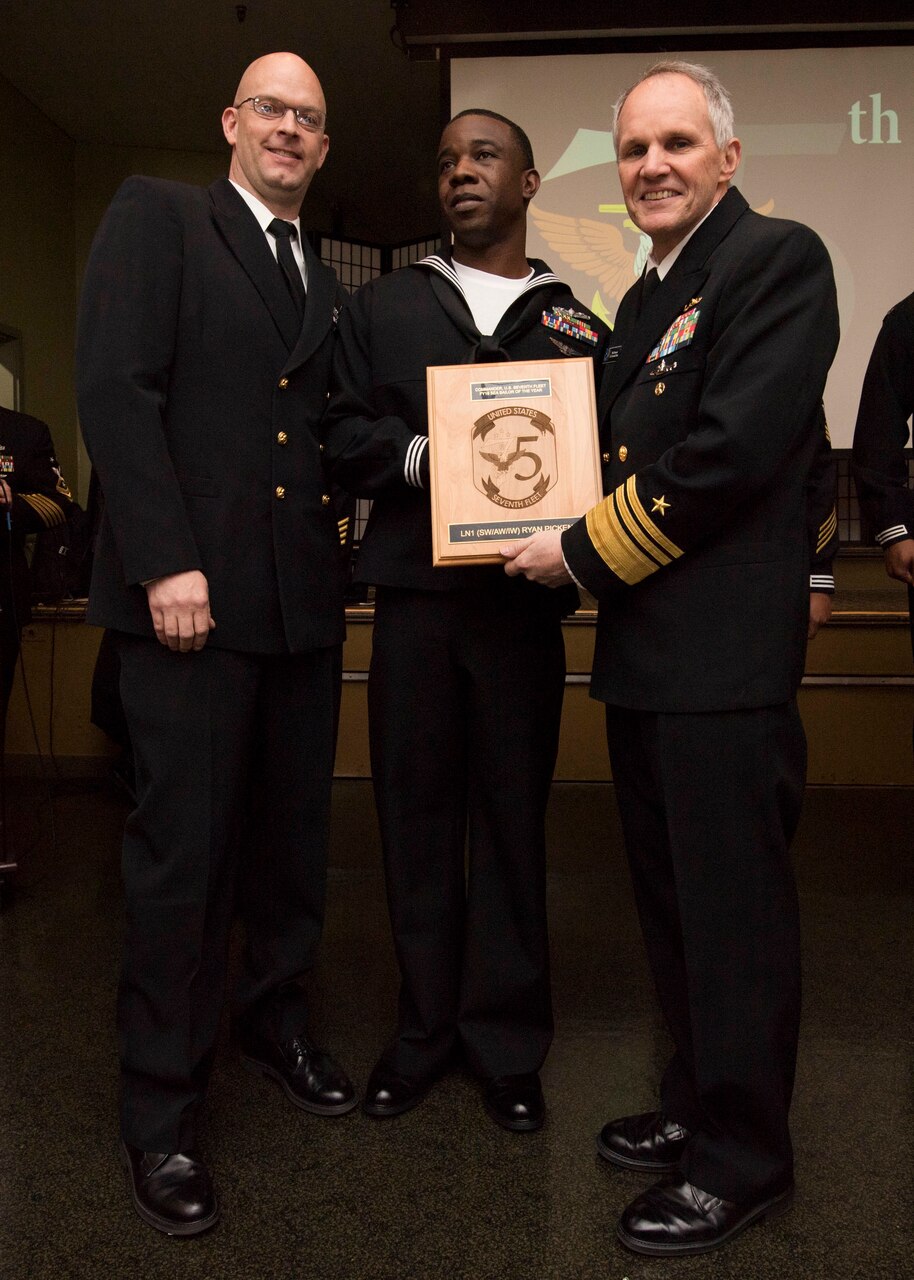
(282, 438)
(320, 448)
(283, 383)
(623, 452)
(325, 499)
(607, 457)
(659, 388)
(280, 491)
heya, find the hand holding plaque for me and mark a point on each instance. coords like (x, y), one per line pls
(513, 449)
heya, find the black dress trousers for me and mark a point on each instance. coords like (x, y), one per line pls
(709, 804)
(234, 763)
(465, 699)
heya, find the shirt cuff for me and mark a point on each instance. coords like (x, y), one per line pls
(580, 586)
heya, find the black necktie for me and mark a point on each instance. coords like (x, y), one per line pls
(284, 233)
(648, 286)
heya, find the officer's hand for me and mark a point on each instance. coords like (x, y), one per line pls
(819, 611)
(899, 561)
(179, 604)
(6, 497)
(538, 558)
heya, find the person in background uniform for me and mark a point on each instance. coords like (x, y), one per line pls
(203, 359)
(33, 496)
(881, 436)
(467, 671)
(700, 560)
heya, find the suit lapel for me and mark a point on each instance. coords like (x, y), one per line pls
(242, 234)
(683, 282)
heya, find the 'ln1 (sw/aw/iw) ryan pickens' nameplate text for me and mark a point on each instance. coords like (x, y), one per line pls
(513, 449)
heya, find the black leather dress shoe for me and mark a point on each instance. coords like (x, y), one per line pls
(648, 1141)
(390, 1094)
(674, 1218)
(308, 1076)
(515, 1102)
(173, 1193)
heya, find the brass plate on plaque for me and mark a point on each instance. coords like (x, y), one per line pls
(513, 449)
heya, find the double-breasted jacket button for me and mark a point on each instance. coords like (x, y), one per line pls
(623, 452)
(283, 383)
(282, 438)
(607, 457)
(320, 448)
(280, 491)
(659, 388)
(325, 499)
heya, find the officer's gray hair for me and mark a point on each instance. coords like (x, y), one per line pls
(720, 108)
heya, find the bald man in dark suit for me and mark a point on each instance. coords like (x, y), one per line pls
(203, 357)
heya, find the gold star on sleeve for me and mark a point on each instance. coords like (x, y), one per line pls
(661, 505)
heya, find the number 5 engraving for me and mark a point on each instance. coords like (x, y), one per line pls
(525, 453)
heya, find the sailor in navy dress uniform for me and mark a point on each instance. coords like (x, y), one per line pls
(467, 672)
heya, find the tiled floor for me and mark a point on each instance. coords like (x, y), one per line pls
(441, 1192)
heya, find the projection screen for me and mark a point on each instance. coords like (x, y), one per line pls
(827, 140)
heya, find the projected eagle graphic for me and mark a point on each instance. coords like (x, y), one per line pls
(596, 249)
(611, 253)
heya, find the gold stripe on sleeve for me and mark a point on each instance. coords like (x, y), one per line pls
(626, 538)
(827, 530)
(654, 530)
(613, 543)
(48, 510)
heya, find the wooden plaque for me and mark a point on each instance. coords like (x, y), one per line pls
(513, 449)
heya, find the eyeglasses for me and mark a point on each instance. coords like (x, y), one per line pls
(274, 109)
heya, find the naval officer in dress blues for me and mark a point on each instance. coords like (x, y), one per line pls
(700, 559)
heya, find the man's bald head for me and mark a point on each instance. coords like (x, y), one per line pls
(277, 131)
(273, 68)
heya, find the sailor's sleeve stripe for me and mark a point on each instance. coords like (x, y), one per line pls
(46, 508)
(343, 526)
(626, 539)
(827, 530)
(821, 582)
(411, 470)
(892, 535)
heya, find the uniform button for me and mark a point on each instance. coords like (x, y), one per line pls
(283, 383)
(321, 448)
(623, 452)
(659, 388)
(607, 457)
(282, 438)
(280, 491)
(325, 499)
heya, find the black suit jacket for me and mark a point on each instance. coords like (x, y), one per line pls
(700, 554)
(199, 397)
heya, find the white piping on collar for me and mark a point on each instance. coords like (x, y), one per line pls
(445, 269)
